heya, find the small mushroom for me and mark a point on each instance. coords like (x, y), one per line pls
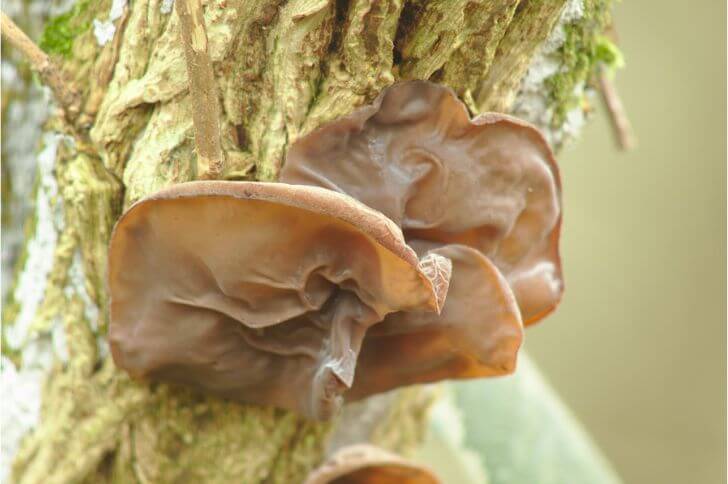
(259, 292)
(367, 464)
(415, 155)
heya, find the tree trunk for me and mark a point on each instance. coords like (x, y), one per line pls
(282, 68)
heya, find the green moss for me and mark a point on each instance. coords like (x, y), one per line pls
(60, 32)
(608, 54)
(188, 437)
(584, 51)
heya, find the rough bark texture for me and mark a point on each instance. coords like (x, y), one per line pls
(282, 68)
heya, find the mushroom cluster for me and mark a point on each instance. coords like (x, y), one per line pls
(260, 292)
(484, 193)
(405, 243)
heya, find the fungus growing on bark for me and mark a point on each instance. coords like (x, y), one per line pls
(478, 333)
(415, 155)
(366, 464)
(259, 292)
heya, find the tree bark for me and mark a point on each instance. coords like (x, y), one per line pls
(282, 68)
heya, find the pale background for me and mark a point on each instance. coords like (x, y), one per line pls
(637, 348)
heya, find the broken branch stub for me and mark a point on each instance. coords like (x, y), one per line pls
(203, 89)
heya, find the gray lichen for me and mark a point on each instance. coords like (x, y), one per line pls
(555, 91)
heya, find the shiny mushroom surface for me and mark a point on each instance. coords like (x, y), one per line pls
(477, 334)
(367, 464)
(490, 183)
(259, 292)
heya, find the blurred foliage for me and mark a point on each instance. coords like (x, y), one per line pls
(514, 429)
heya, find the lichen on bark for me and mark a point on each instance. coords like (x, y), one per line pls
(554, 92)
(581, 53)
(282, 68)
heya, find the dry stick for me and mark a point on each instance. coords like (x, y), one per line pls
(50, 74)
(203, 90)
(617, 114)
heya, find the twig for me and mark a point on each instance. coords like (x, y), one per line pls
(203, 90)
(617, 114)
(66, 95)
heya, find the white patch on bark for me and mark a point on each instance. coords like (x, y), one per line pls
(532, 102)
(12, 8)
(20, 409)
(103, 345)
(77, 286)
(26, 114)
(104, 31)
(166, 6)
(38, 352)
(31, 283)
(27, 110)
(22, 387)
(10, 78)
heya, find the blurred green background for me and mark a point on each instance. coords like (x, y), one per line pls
(637, 348)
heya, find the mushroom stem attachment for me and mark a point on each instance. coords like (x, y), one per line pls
(203, 91)
(50, 74)
(617, 114)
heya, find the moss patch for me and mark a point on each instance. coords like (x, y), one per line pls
(583, 52)
(608, 54)
(60, 32)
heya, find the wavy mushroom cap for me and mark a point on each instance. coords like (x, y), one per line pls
(367, 464)
(259, 292)
(415, 155)
(477, 335)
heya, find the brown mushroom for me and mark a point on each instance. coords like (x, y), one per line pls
(259, 292)
(415, 155)
(367, 464)
(478, 333)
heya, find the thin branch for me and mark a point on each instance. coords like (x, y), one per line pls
(66, 95)
(203, 90)
(617, 114)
